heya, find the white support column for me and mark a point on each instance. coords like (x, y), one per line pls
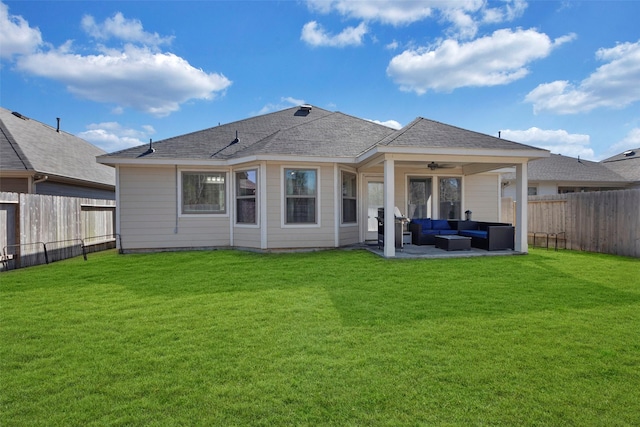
(389, 217)
(521, 244)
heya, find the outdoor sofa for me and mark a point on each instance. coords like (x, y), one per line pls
(490, 236)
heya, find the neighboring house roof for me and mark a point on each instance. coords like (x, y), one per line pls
(558, 168)
(316, 133)
(27, 145)
(626, 164)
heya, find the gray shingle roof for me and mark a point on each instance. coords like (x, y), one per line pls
(29, 145)
(288, 132)
(317, 133)
(428, 133)
(560, 168)
(626, 165)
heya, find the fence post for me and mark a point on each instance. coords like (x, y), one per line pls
(46, 256)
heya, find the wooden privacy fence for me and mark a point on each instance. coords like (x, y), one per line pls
(599, 221)
(37, 229)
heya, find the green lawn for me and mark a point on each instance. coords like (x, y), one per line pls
(327, 338)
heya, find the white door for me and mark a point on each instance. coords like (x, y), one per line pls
(374, 200)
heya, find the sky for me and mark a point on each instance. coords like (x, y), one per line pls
(560, 75)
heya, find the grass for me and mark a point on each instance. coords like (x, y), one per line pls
(328, 338)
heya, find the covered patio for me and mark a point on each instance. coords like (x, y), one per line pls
(429, 149)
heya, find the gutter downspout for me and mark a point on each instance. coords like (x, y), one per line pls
(35, 181)
(41, 179)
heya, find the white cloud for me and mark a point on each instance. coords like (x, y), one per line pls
(612, 85)
(16, 36)
(136, 76)
(119, 27)
(464, 15)
(497, 59)
(392, 46)
(389, 123)
(285, 102)
(315, 35)
(394, 12)
(111, 136)
(156, 83)
(557, 141)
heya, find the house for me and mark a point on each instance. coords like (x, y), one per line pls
(558, 174)
(39, 159)
(627, 165)
(307, 178)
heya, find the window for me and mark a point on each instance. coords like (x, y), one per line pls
(532, 191)
(450, 198)
(349, 201)
(246, 186)
(300, 196)
(203, 193)
(419, 198)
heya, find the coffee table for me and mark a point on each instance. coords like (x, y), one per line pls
(453, 242)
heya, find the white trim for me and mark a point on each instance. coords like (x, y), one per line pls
(339, 206)
(461, 177)
(112, 161)
(389, 204)
(337, 202)
(283, 197)
(409, 175)
(228, 209)
(118, 207)
(474, 155)
(235, 222)
(521, 238)
(262, 182)
(365, 179)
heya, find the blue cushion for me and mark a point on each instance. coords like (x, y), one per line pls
(430, 231)
(440, 224)
(473, 233)
(424, 222)
(448, 232)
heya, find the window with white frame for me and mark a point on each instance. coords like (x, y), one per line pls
(349, 198)
(246, 191)
(203, 193)
(450, 198)
(301, 193)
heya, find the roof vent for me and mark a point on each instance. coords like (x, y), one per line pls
(629, 153)
(306, 107)
(18, 115)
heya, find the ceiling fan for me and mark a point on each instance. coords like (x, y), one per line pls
(433, 166)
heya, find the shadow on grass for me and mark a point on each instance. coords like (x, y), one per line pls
(363, 288)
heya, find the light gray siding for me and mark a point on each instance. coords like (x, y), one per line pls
(482, 196)
(149, 218)
(281, 236)
(246, 237)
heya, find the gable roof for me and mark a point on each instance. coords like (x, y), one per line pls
(32, 146)
(312, 132)
(429, 133)
(626, 164)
